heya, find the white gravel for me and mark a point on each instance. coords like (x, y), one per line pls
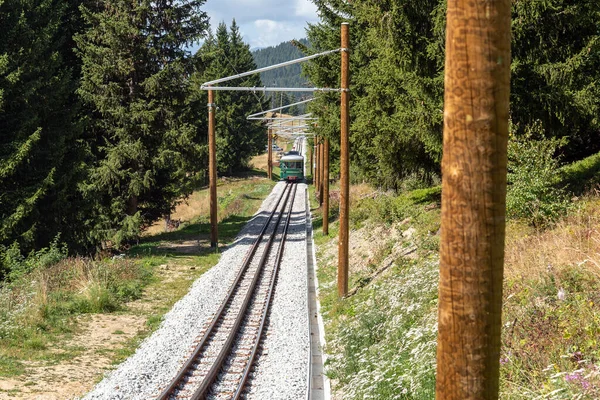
(160, 356)
(281, 371)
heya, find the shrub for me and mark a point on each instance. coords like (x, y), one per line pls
(532, 173)
(14, 265)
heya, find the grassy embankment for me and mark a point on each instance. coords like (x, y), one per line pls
(383, 337)
(46, 309)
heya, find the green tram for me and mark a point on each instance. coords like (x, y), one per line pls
(292, 168)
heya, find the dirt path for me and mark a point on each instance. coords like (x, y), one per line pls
(100, 335)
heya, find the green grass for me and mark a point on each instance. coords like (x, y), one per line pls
(38, 310)
(581, 175)
(382, 339)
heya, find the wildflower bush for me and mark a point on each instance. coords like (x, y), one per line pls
(386, 349)
(382, 339)
(551, 333)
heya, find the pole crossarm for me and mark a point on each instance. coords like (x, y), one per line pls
(279, 108)
(269, 89)
(269, 68)
(291, 129)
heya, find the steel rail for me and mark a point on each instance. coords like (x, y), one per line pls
(202, 391)
(183, 372)
(263, 319)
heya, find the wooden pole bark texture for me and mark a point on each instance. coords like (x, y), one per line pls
(344, 165)
(318, 147)
(326, 187)
(270, 151)
(321, 170)
(312, 155)
(212, 170)
(473, 198)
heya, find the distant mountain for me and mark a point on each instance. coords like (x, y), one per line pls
(289, 76)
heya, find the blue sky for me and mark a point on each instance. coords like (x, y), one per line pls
(264, 22)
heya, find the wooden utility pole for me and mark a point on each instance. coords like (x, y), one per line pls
(344, 165)
(212, 170)
(321, 170)
(473, 199)
(326, 188)
(317, 167)
(270, 160)
(312, 154)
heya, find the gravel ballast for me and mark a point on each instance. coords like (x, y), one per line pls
(281, 371)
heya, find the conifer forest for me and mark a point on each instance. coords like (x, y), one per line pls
(103, 126)
(103, 129)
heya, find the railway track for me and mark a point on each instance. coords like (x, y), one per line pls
(220, 364)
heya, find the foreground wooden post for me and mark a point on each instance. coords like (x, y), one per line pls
(212, 171)
(270, 160)
(344, 165)
(473, 200)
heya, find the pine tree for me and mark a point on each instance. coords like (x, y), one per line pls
(41, 154)
(237, 138)
(136, 77)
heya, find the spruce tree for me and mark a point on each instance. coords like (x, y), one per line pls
(237, 138)
(41, 154)
(136, 77)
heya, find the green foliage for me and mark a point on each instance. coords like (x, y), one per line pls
(397, 86)
(532, 175)
(582, 175)
(397, 69)
(41, 152)
(134, 76)
(13, 265)
(555, 72)
(237, 138)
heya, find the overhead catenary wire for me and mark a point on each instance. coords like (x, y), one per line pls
(251, 116)
(268, 89)
(269, 68)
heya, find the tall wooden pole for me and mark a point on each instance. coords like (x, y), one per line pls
(212, 170)
(317, 168)
(321, 170)
(344, 165)
(270, 160)
(326, 188)
(312, 154)
(473, 198)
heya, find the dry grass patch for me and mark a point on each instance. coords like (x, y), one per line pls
(575, 240)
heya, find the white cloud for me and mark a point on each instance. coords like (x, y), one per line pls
(306, 8)
(264, 22)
